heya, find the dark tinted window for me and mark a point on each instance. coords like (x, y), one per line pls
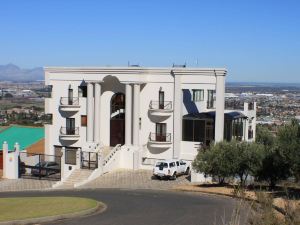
(187, 130)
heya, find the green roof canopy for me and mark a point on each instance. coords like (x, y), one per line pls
(25, 136)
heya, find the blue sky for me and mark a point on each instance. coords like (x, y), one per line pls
(255, 40)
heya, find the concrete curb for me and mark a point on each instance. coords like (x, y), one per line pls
(99, 208)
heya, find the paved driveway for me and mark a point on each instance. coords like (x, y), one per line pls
(24, 184)
(129, 179)
(136, 207)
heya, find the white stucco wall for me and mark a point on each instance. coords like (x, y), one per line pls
(113, 80)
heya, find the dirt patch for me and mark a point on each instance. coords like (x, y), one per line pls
(38, 147)
(279, 202)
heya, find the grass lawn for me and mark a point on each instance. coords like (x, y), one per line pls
(34, 207)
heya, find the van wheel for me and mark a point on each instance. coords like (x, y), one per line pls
(174, 176)
(187, 172)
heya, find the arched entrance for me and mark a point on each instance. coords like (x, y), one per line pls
(117, 119)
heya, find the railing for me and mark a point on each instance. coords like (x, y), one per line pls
(234, 105)
(161, 105)
(111, 154)
(160, 137)
(210, 104)
(69, 130)
(69, 101)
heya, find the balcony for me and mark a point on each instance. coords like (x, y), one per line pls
(157, 108)
(69, 104)
(160, 140)
(69, 133)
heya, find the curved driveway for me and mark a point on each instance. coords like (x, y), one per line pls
(141, 207)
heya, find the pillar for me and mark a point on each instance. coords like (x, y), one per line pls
(97, 112)
(90, 113)
(220, 104)
(128, 114)
(177, 117)
(63, 162)
(5, 152)
(136, 114)
(78, 158)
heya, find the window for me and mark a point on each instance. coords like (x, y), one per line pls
(177, 163)
(198, 95)
(187, 130)
(83, 120)
(70, 156)
(237, 129)
(161, 100)
(210, 99)
(70, 126)
(171, 164)
(196, 130)
(48, 118)
(82, 91)
(161, 132)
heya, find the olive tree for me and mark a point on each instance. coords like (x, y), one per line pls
(288, 139)
(215, 161)
(229, 159)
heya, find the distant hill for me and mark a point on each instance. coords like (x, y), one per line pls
(11, 72)
(261, 84)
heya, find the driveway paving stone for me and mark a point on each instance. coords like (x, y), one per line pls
(129, 179)
(24, 185)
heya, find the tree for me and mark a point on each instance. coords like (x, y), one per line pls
(275, 165)
(247, 159)
(215, 161)
(264, 136)
(289, 143)
(8, 95)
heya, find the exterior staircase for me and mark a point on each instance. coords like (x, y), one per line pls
(77, 176)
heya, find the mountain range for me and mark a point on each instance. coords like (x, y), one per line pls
(11, 72)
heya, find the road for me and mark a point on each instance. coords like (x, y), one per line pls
(144, 207)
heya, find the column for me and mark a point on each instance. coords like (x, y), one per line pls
(128, 114)
(97, 112)
(90, 113)
(177, 116)
(136, 114)
(220, 104)
(5, 159)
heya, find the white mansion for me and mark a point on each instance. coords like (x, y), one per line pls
(128, 117)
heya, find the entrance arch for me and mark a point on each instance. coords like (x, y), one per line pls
(117, 119)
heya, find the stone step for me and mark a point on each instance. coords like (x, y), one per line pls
(77, 176)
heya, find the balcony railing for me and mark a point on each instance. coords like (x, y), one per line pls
(167, 105)
(234, 105)
(155, 137)
(69, 101)
(69, 130)
(211, 104)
